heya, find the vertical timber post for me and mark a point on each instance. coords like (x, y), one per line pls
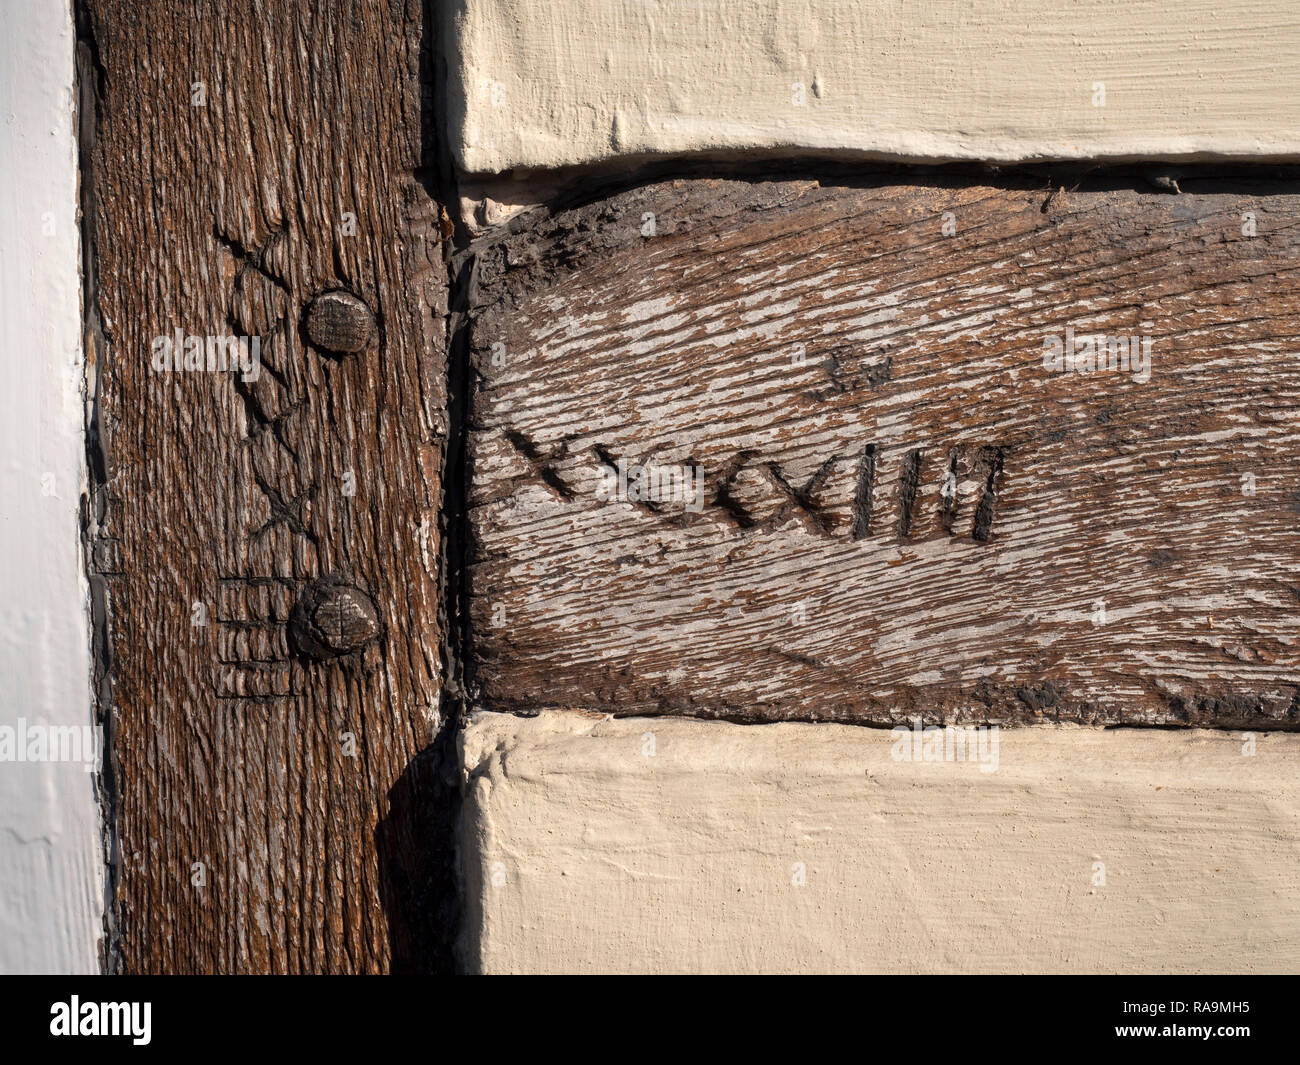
(266, 334)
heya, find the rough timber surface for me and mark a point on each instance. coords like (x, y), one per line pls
(904, 513)
(271, 811)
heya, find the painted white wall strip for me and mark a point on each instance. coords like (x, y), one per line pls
(51, 859)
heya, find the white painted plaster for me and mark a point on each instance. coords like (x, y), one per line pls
(51, 863)
(670, 845)
(550, 83)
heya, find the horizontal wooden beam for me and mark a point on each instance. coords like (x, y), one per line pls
(767, 450)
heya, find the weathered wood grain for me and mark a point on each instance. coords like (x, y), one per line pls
(902, 512)
(270, 805)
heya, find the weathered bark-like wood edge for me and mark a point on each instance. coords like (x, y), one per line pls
(89, 82)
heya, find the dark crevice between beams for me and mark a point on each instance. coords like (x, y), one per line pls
(439, 909)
